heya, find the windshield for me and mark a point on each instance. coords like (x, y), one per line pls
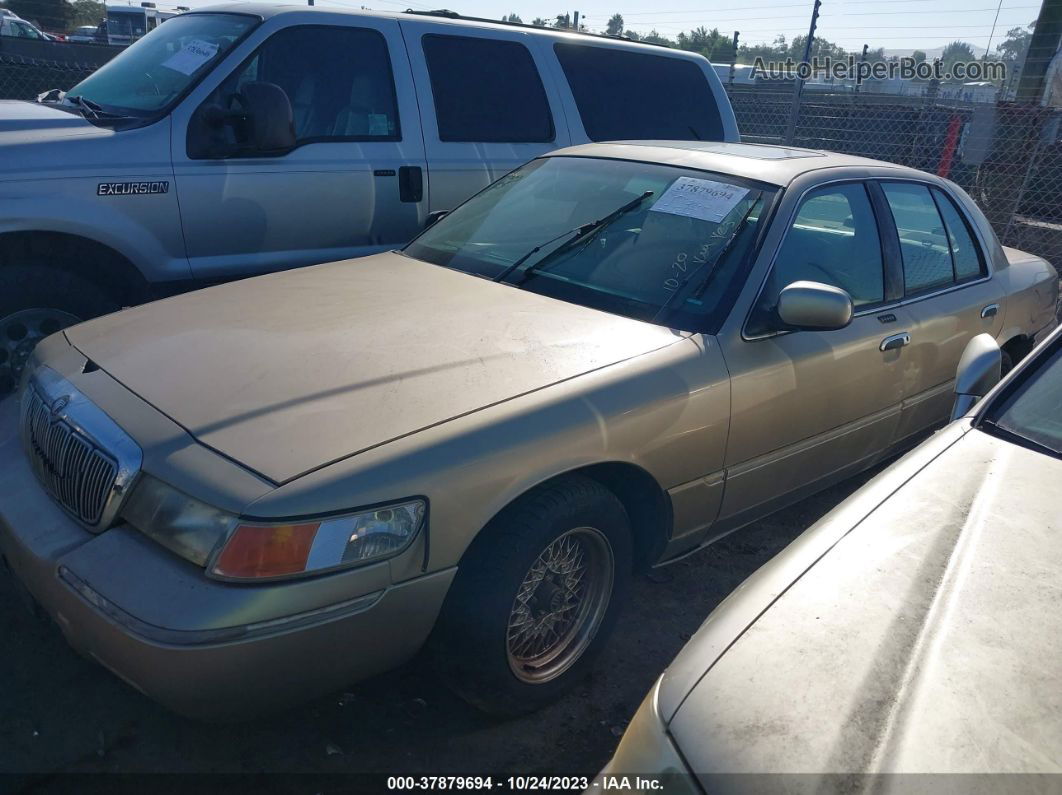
(1032, 412)
(155, 71)
(646, 241)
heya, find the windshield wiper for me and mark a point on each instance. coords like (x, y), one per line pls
(1019, 439)
(707, 264)
(92, 110)
(579, 232)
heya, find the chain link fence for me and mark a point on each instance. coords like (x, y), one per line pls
(25, 78)
(1007, 156)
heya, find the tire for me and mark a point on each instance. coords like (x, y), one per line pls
(38, 300)
(502, 580)
(1006, 362)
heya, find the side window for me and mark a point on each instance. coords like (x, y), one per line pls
(486, 90)
(965, 252)
(624, 95)
(924, 245)
(833, 240)
(338, 80)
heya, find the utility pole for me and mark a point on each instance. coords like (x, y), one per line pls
(1046, 37)
(575, 21)
(798, 87)
(733, 58)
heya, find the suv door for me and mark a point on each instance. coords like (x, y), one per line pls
(353, 184)
(485, 104)
(947, 291)
(808, 405)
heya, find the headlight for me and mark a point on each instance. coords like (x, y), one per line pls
(252, 549)
(256, 550)
(180, 523)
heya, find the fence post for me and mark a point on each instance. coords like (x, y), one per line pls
(798, 86)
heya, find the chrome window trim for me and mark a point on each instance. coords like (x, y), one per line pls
(877, 308)
(85, 418)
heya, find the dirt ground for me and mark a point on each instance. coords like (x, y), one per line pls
(64, 714)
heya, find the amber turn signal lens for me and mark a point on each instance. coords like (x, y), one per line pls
(260, 551)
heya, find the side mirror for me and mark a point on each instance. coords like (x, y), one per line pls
(270, 120)
(814, 306)
(978, 371)
(435, 217)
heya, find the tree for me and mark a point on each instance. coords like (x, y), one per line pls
(954, 53)
(712, 44)
(563, 21)
(48, 14)
(652, 37)
(1013, 48)
(87, 12)
(513, 18)
(615, 25)
(539, 22)
(919, 56)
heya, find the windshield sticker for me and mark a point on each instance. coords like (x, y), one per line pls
(190, 57)
(703, 199)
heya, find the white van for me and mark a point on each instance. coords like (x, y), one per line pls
(249, 138)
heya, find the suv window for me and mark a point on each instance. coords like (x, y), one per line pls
(486, 90)
(338, 80)
(624, 95)
(965, 252)
(925, 246)
(833, 240)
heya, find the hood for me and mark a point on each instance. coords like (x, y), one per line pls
(924, 639)
(288, 372)
(23, 122)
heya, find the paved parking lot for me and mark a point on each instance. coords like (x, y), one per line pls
(62, 713)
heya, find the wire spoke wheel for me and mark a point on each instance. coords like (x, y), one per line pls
(560, 605)
(19, 334)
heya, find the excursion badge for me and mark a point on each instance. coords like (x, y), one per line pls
(131, 188)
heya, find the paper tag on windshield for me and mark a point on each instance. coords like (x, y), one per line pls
(191, 56)
(704, 199)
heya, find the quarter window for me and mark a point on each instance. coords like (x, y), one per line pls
(833, 240)
(624, 95)
(486, 90)
(965, 254)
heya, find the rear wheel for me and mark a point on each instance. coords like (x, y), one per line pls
(536, 597)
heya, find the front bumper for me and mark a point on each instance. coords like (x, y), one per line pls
(216, 656)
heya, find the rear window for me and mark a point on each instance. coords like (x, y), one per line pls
(487, 91)
(624, 95)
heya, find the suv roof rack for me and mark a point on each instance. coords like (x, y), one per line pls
(448, 14)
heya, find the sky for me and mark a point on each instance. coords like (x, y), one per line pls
(892, 24)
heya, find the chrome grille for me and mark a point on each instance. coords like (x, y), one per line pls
(71, 468)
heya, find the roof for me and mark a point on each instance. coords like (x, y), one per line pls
(267, 10)
(777, 165)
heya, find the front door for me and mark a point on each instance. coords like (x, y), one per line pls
(355, 181)
(807, 405)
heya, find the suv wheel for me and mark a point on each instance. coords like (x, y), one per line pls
(536, 597)
(36, 302)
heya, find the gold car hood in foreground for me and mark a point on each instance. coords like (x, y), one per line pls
(288, 372)
(916, 632)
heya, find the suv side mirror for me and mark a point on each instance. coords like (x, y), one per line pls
(270, 120)
(978, 371)
(814, 306)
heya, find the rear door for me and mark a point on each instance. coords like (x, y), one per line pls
(485, 106)
(947, 291)
(355, 182)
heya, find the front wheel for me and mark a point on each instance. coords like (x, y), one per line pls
(535, 597)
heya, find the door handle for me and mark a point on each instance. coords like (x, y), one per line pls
(895, 342)
(990, 311)
(410, 183)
